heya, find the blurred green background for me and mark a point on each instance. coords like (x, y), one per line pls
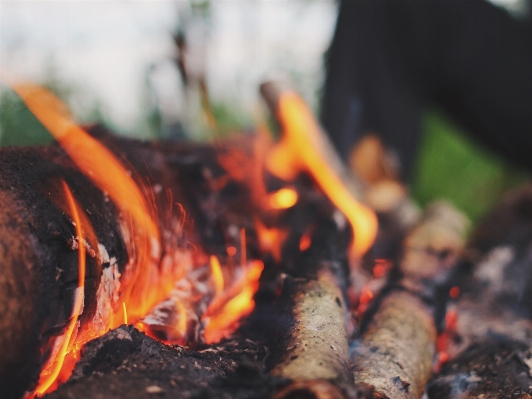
(449, 166)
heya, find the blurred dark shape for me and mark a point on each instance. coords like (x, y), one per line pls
(390, 59)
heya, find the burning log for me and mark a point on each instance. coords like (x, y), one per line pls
(42, 279)
(44, 304)
(99, 226)
(395, 352)
(487, 336)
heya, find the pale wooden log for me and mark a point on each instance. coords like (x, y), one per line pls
(316, 345)
(395, 354)
(396, 350)
(315, 350)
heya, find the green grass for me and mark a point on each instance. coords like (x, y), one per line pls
(454, 167)
(18, 126)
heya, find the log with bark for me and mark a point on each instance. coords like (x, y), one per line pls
(395, 352)
(311, 348)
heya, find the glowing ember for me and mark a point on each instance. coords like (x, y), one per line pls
(231, 251)
(444, 340)
(381, 267)
(52, 369)
(365, 298)
(454, 292)
(243, 254)
(283, 199)
(305, 242)
(299, 150)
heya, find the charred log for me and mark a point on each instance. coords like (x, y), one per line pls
(39, 244)
(39, 264)
(395, 352)
(126, 363)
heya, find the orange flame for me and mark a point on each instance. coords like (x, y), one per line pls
(222, 319)
(51, 371)
(270, 240)
(299, 150)
(143, 284)
(283, 199)
(125, 312)
(217, 276)
(106, 171)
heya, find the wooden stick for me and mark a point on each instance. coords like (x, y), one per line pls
(395, 352)
(316, 344)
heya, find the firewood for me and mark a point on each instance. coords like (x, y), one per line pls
(316, 347)
(396, 349)
(311, 348)
(38, 262)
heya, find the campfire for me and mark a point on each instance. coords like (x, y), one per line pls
(246, 268)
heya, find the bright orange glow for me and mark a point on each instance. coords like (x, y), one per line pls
(125, 312)
(217, 276)
(222, 320)
(233, 310)
(52, 369)
(143, 286)
(305, 242)
(182, 322)
(299, 150)
(283, 199)
(270, 240)
(364, 300)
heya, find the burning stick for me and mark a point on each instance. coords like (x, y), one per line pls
(396, 350)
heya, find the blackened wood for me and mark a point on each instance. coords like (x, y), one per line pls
(39, 266)
(395, 352)
(38, 256)
(125, 363)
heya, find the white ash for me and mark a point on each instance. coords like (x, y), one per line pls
(108, 292)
